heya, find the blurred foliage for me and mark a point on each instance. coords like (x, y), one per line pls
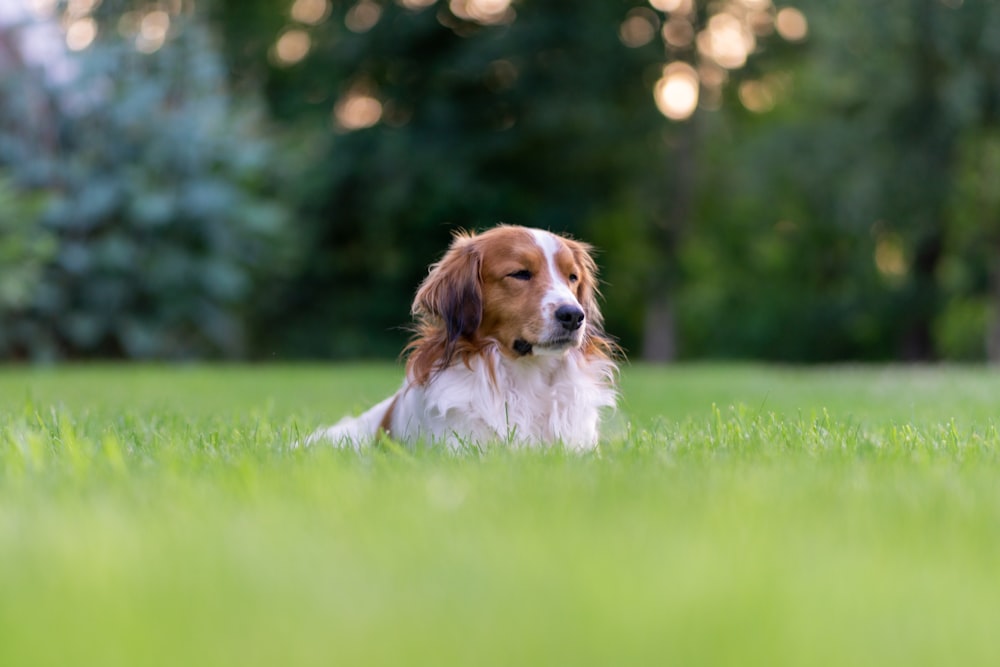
(852, 222)
(545, 118)
(25, 247)
(526, 123)
(152, 225)
(830, 199)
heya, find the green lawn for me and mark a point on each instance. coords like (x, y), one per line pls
(737, 515)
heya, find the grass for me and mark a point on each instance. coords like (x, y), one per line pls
(736, 515)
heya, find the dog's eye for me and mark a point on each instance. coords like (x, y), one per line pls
(523, 274)
(573, 277)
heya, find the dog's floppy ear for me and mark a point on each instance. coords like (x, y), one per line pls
(452, 293)
(598, 343)
(588, 291)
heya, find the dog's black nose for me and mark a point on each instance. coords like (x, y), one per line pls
(571, 317)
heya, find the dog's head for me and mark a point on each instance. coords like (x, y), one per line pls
(527, 291)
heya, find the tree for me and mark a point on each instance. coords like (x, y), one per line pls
(921, 88)
(856, 218)
(152, 224)
(708, 46)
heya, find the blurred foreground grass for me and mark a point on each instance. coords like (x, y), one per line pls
(737, 515)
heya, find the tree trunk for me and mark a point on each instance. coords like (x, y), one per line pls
(931, 163)
(918, 339)
(660, 332)
(660, 328)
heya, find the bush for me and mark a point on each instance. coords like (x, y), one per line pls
(156, 225)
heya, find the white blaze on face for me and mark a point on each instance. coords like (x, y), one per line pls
(559, 292)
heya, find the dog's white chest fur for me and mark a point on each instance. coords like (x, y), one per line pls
(526, 402)
(530, 401)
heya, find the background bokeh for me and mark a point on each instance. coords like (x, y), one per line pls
(268, 179)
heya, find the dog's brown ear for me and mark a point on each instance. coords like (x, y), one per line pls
(588, 292)
(598, 343)
(452, 293)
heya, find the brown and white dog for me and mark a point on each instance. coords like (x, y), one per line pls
(509, 348)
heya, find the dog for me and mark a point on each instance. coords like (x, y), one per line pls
(509, 348)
